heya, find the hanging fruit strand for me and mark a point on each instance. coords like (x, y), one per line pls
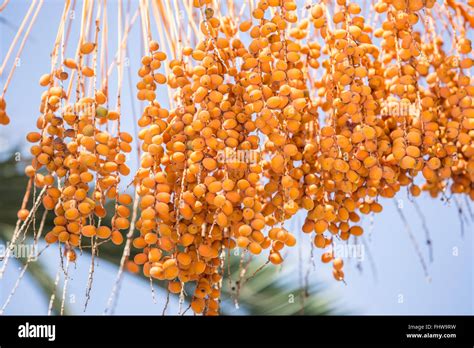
(330, 109)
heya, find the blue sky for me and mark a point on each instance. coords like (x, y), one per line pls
(400, 286)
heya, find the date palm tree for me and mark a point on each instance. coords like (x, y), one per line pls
(261, 295)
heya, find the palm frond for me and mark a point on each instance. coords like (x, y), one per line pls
(267, 294)
(36, 270)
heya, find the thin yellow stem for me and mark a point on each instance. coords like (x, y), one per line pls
(17, 36)
(22, 45)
